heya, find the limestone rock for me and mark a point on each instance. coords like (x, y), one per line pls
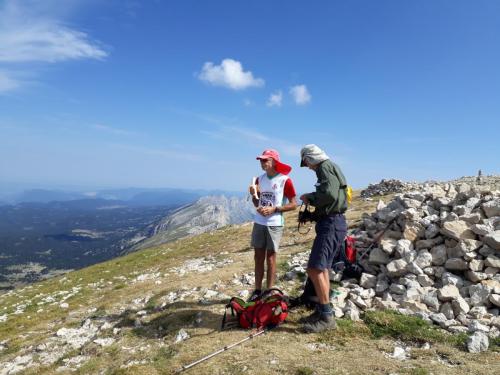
(448, 293)
(457, 230)
(478, 342)
(396, 268)
(495, 299)
(492, 261)
(439, 255)
(378, 256)
(368, 281)
(456, 264)
(492, 208)
(479, 294)
(493, 240)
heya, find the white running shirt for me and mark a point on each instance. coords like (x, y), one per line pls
(271, 195)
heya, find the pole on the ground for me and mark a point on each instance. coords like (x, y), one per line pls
(249, 337)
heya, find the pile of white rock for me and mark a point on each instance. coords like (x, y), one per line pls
(387, 186)
(438, 258)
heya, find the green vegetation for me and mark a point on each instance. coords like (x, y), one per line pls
(388, 323)
(304, 371)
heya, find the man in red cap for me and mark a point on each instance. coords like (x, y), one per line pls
(270, 195)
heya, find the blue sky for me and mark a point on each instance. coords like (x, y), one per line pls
(187, 93)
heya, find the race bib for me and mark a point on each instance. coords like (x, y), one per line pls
(267, 199)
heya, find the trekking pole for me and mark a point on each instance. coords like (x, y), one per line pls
(249, 337)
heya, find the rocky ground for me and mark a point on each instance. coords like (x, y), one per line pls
(158, 309)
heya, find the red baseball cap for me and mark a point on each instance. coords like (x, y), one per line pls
(279, 166)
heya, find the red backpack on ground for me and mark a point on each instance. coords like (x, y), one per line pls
(269, 310)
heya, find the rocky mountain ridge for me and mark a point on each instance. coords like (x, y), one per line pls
(206, 214)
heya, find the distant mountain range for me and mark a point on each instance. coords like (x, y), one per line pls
(128, 196)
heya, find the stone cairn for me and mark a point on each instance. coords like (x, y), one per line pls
(387, 186)
(438, 258)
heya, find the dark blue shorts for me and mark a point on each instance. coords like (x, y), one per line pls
(330, 232)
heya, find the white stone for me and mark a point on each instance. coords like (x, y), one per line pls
(475, 325)
(403, 247)
(400, 353)
(448, 293)
(181, 336)
(478, 342)
(476, 277)
(457, 230)
(367, 280)
(388, 245)
(492, 261)
(492, 208)
(493, 240)
(396, 268)
(105, 341)
(476, 265)
(479, 294)
(460, 306)
(495, 299)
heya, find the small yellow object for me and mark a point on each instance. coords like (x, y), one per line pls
(349, 195)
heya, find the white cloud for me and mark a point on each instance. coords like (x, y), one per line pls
(300, 94)
(229, 74)
(30, 33)
(7, 83)
(275, 99)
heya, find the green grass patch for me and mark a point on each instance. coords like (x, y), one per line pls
(162, 357)
(495, 344)
(388, 323)
(346, 330)
(304, 371)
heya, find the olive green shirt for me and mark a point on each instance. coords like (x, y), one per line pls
(330, 196)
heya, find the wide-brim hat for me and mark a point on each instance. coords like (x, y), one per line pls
(313, 153)
(278, 165)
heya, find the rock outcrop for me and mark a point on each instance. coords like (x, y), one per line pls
(206, 214)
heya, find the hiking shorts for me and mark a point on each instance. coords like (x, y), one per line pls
(264, 237)
(330, 232)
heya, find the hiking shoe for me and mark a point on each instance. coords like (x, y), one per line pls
(256, 294)
(310, 318)
(323, 323)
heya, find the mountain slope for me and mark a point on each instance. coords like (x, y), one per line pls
(124, 316)
(206, 214)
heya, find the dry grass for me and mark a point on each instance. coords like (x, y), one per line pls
(351, 349)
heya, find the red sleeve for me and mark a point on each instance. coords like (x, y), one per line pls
(289, 189)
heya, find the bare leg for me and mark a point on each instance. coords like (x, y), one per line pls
(260, 256)
(321, 282)
(271, 268)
